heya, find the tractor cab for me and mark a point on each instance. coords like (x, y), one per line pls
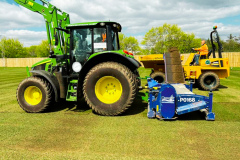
(93, 37)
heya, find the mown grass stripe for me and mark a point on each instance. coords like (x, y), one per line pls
(74, 132)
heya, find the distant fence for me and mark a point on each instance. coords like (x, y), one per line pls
(234, 60)
(19, 62)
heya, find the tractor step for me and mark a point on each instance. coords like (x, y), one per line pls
(191, 107)
(72, 91)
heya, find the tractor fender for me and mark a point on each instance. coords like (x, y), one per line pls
(131, 63)
(50, 78)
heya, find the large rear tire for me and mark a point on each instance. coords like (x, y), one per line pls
(209, 80)
(109, 88)
(34, 95)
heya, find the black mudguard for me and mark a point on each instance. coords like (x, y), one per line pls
(131, 63)
(51, 79)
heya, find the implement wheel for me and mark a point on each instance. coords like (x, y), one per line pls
(158, 76)
(209, 80)
(109, 88)
(34, 95)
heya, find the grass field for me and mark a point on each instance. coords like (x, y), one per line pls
(73, 132)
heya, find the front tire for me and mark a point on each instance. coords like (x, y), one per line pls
(209, 80)
(34, 95)
(109, 88)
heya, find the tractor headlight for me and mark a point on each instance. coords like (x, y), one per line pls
(76, 66)
(102, 24)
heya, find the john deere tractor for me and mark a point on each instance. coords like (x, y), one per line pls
(85, 60)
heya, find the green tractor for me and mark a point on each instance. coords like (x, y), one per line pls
(85, 61)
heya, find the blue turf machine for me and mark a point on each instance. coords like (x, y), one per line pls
(167, 100)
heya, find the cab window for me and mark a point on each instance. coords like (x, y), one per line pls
(82, 44)
(100, 39)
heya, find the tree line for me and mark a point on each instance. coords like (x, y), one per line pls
(156, 41)
(13, 48)
(232, 44)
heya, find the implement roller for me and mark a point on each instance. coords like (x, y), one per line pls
(172, 98)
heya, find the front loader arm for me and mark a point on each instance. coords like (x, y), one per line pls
(54, 19)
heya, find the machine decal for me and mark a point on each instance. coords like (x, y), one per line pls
(168, 99)
(100, 45)
(187, 100)
(30, 3)
(207, 62)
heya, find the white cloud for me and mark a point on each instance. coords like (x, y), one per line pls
(14, 17)
(135, 16)
(139, 16)
(28, 37)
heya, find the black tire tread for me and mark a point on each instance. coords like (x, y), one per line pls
(202, 86)
(129, 75)
(155, 74)
(47, 88)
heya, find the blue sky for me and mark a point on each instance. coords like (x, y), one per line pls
(136, 17)
(231, 20)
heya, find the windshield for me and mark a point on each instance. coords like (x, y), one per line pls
(100, 39)
(105, 39)
(113, 38)
(82, 44)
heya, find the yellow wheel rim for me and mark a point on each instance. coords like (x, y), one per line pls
(108, 89)
(33, 95)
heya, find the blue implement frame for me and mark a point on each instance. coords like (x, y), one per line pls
(165, 102)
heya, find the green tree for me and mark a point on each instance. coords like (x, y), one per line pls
(32, 51)
(129, 43)
(232, 44)
(160, 39)
(12, 48)
(42, 50)
(121, 40)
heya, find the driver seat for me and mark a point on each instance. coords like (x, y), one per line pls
(206, 56)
